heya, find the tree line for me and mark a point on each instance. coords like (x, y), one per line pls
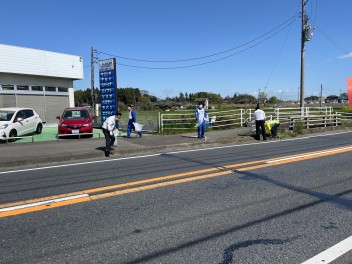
(131, 95)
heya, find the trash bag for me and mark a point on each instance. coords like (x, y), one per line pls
(116, 133)
(137, 127)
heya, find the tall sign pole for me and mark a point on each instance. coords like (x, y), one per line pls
(108, 88)
(92, 92)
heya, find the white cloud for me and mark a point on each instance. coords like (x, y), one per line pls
(345, 56)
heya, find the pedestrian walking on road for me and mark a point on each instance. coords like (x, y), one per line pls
(132, 119)
(202, 119)
(259, 118)
(109, 125)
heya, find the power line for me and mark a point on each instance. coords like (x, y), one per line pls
(204, 63)
(279, 54)
(289, 21)
(331, 40)
(277, 59)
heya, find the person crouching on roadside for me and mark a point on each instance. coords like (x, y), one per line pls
(108, 127)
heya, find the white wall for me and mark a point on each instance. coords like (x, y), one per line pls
(28, 61)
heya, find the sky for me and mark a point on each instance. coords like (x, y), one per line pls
(171, 46)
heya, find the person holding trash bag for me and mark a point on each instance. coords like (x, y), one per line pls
(202, 119)
(259, 118)
(109, 125)
(132, 118)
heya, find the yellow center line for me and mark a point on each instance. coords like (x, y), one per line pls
(297, 158)
(93, 194)
(149, 180)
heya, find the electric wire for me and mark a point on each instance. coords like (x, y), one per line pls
(331, 40)
(279, 54)
(207, 62)
(288, 21)
(277, 58)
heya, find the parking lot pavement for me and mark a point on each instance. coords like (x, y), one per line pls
(41, 152)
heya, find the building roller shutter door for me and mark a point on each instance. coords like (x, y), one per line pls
(55, 106)
(32, 101)
(7, 100)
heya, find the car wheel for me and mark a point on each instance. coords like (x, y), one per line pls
(39, 128)
(13, 133)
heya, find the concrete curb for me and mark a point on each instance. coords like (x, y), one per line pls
(143, 150)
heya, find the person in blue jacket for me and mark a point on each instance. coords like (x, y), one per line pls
(132, 118)
(201, 118)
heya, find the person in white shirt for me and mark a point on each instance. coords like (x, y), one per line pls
(201, 118)
(259, 118)
(108, 127)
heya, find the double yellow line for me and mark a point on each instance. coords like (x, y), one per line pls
(33, 205)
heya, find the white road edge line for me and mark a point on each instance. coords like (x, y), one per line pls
(307, 155)
(12, 208)
(332, 253)
(169, 153)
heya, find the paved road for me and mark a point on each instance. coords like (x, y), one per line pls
(227, 204)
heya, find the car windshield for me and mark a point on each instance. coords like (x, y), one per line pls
(75, 114)
(6, 115)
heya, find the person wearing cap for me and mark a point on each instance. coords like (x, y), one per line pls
(259, 118)
(108, 127)
(132, 118)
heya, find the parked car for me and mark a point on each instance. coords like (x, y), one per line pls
(16, 122)
(75, 120)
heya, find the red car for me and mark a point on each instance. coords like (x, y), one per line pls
(75, 120)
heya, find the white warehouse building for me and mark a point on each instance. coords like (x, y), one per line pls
(39, 79)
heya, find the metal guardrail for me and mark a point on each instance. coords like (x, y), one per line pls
(10, 138)
(79, 135)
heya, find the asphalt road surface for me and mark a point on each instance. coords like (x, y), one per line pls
(264, 202)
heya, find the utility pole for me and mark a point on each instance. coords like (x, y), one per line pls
(92, 80)
(321, 96)
(306, 35)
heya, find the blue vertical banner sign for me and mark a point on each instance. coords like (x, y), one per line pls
(108, 88)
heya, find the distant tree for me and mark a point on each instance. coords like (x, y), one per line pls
(144, 92)
(245, 98)
(273, 100)
(213, 98)
(129, 95)
(186, 96)
(312, 98)
(153, 98)
(84, 97)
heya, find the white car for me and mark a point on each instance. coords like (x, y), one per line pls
(16, 122)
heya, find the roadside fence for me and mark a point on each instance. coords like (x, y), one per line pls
(345, 116)
(184, 121)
